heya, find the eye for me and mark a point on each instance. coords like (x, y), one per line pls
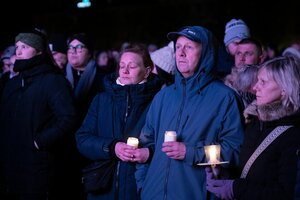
(79, 46)
(70, 47)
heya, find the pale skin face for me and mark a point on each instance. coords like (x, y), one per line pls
(24, 51)
(188, 54)
(232, 46)
(267, 90)
(132, 69)
(247, 54)
(60, 59)
(78, 59)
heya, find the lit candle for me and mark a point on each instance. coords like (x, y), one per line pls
(132, 141)
(213, 153)
(170, 136)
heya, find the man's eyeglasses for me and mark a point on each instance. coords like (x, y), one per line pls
(78, 48)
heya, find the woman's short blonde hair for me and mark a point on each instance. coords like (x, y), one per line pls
(285, 71)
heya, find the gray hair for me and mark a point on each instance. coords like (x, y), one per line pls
(247, 77)
(285, 71)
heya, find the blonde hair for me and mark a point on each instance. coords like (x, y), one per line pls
(285, 71)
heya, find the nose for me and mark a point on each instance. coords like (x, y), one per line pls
(125, 69)
(180, 52)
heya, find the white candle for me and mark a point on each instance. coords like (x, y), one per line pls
(132, 141)
(170, 136)
(212, 153)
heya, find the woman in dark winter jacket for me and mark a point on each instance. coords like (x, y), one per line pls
(268, 157)
(36, 116)
(116, 114)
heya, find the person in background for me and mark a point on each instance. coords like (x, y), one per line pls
(235, 31)
(81, 72)
(58, 47)
(116, 114)
(11, 68)
(164, 63)
(37, 114)
(291, 51)
(270, 51)
(6, 65)
(105, 62)
(202, 111)
(152, 47)
(242, 80)
(248, 52)
(272, 174)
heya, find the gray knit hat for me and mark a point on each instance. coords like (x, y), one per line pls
(164, 58)
(32, 40)
(235, 29)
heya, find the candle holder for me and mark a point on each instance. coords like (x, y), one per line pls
(213, 154)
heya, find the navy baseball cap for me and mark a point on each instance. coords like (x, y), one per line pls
(191, 32)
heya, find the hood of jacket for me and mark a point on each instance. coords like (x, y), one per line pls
(204, 73)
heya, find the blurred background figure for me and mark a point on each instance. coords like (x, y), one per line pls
(164, 63)
(6, 66)
(291, 51)
(152, 47)
(5, 58)
(270, 51)
(235, 31)
(58, 47)
(105, 62)
(242, 81)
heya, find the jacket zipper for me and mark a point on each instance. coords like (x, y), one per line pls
(176, 129)
(119, 162)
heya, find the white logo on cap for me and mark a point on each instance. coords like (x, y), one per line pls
(191, 32)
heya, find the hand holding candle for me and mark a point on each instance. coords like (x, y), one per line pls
(212, 153)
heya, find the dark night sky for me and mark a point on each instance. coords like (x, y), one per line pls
(111, 22)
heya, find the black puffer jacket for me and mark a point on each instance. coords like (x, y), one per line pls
(36, 106)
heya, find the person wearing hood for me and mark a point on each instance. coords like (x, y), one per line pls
(201, 110)
(36, 116)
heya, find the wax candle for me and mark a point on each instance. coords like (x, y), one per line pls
(132, 141)
(170, 136)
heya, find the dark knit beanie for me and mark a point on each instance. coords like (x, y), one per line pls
(32, 39)
(58, 43)
(84, 39)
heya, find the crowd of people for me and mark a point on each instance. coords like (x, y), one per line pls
(65, 104)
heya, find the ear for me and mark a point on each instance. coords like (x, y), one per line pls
(148, 71)
(282, 92)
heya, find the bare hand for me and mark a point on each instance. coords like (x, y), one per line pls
(131, 154)
(124, 152)
(175, 150)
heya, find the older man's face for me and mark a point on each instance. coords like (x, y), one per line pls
(188, 54)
